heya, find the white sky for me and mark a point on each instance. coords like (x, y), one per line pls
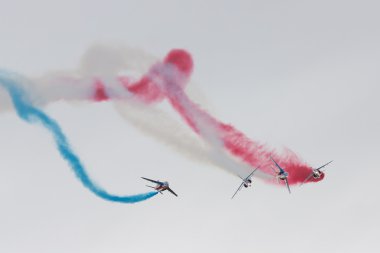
(301, 74)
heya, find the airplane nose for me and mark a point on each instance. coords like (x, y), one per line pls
(321, 177)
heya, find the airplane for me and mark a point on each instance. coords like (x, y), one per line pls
(316, 173)
(246, 182)
(160, 186)
(281, 174)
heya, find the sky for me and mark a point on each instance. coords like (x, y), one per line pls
(296, 74)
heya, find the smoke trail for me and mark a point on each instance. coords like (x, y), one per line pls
(159, 125)
(176, 69)
(31, 114)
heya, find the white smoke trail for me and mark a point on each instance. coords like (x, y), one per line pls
(158, 124)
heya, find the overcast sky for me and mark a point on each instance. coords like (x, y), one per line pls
(296, 74)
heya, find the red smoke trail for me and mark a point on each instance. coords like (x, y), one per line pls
(169, 78)
(100, 92)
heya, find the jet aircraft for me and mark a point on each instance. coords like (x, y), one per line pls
(160, 186)
(281, 174)
(316, 173)
(246, 182)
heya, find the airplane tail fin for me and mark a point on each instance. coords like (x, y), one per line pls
(153, 188)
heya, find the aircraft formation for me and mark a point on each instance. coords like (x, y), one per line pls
(279, 173)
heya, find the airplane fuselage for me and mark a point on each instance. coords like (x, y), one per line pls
(317, 174)
(283, 175)
(247, 183)
(162, 187)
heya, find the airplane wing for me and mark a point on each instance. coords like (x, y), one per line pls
(172, 192)
(324, 165)
(307, 179)
(278, 166)
(153, 181)
(287, 184)
(250, 175)
(241, 185)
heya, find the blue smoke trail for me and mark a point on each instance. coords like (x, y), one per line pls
(31, 114)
